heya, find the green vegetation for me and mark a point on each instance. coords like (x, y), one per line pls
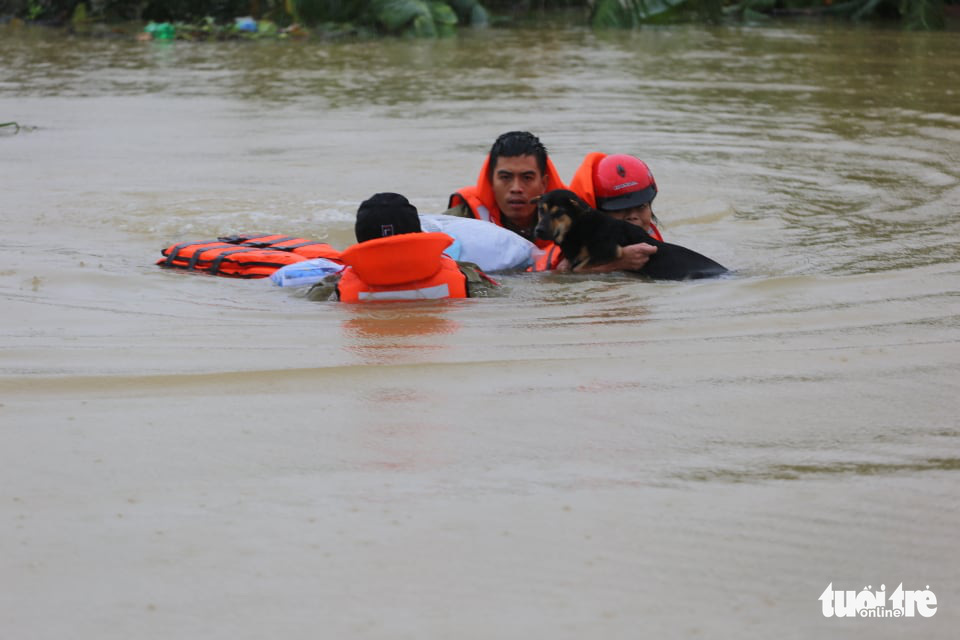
(197, 19)
(914, 14)
(16, 127)
(221, 19)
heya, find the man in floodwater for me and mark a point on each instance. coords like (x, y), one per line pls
(516, 171)
(395, 260)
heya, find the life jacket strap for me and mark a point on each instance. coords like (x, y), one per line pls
(214, 267)
(195, 258)
(263, 243)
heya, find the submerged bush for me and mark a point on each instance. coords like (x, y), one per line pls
(921, 14)
(430, 18)
(632, 13)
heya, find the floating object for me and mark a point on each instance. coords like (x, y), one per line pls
(244, 256)
(308, 272)
(489, 246)
(245, 23)
(160, 30)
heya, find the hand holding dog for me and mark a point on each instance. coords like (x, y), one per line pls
(589, 238)
(634, 258)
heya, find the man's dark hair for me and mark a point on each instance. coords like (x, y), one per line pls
(518, 143)
(385, 214)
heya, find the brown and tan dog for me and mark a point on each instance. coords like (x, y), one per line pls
(589, 237)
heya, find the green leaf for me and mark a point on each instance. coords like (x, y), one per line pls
(631, 13)
(479, 16)
(419, 18)
(471, 12)
(423, 27)
(442, 14)
(444, 18)
(397, 15)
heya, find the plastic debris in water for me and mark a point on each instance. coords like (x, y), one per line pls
(161, 30)
(246, 24)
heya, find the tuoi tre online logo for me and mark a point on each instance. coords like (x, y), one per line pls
(876, 604)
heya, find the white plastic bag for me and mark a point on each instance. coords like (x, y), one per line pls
(305, 272)
(490, 247)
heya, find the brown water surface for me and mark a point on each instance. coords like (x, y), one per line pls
(586, 457)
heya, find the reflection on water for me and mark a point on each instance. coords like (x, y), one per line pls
(385, 333)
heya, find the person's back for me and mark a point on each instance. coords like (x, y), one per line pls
(395, 260)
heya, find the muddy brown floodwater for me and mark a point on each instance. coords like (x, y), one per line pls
(586, 457)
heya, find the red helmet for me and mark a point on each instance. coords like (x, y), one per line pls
(623, 182)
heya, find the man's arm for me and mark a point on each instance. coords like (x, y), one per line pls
(325, 290)
(634, 258)
(461, 211)
(479, 284)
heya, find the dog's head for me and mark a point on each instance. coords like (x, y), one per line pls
(557, 210)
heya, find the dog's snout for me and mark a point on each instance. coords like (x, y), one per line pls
(542, 233)
(542, 230)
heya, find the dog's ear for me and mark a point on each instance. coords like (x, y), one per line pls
(577, 204)
(535, 200)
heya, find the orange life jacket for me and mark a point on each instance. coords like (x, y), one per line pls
(582, 185)
(309, 249)
(246, 256)
(548, 259)
(409, 266)
(482, 203)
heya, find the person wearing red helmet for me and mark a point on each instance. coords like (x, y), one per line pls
(621, 186)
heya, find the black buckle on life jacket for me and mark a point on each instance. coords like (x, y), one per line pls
(291, 247)
(214, 267)
(237, 239)
(257, 241)
(175, 253)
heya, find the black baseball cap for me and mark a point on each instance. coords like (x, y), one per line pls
(386, 214)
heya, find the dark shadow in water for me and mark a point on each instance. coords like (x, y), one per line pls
(800, 471)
